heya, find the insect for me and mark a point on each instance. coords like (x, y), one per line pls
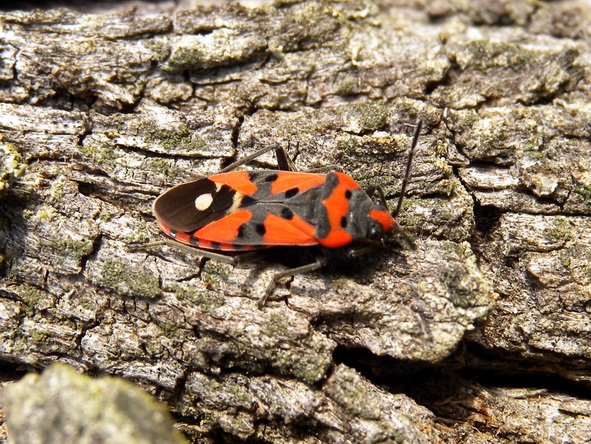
(245, 211)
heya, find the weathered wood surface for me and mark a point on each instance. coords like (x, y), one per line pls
(484, 330)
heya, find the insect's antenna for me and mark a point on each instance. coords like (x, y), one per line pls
(411, 153)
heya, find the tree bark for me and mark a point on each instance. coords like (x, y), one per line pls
(484, 323)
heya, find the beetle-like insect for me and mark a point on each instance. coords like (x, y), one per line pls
(244, 211)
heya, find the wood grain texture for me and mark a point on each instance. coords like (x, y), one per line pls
(485, 323)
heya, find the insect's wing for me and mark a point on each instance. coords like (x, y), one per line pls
(259, 208)
(285, 209)
(190, 206)
(278, 212)
(286, 185)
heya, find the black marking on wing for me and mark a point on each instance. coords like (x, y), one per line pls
(291, 193)
(247, 201)
(286, 213)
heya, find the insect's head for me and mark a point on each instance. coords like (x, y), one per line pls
(382, 222)
(369, 219)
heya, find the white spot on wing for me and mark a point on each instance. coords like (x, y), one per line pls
(203, 202)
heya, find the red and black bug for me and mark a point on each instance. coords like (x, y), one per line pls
(242, 211)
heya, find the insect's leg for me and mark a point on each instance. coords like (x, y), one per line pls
(139, 246)
(247, 159)
(360, 251)
(240, 258)
(319, 263)
(284, 162)
(325, 169)
(372, 189)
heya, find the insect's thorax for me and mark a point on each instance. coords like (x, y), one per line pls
(345, 213)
